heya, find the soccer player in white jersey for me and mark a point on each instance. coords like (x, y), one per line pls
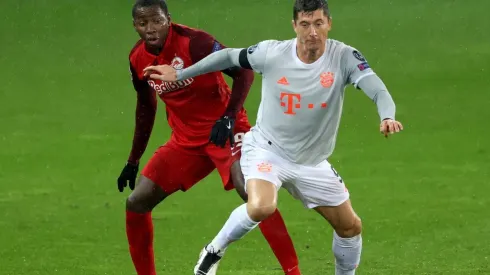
(303, 82)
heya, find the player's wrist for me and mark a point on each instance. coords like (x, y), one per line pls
(178, 75)
(229, 114)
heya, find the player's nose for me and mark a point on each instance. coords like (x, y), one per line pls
(150, 29)
(313, 32)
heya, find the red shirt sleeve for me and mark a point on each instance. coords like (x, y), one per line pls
(203, 44)
(146, 107)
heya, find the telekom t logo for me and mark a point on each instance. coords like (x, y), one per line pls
(292, 101)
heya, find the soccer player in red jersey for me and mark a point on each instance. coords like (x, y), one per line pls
(194, 108)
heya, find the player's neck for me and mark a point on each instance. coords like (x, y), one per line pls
(308, 56)
(154, 50)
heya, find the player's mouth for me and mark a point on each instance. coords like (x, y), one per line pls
(153, 40)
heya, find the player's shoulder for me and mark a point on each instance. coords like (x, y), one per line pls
(136, 51)
(191, 32)
(336, 47)
(278, 45)
(138, 46)
(272, 47)
(199, 43)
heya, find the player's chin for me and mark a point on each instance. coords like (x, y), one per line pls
(153, 42)
(313, 44)
(312, 47)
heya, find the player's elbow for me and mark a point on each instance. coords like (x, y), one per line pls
(245, 76)
(249, 74)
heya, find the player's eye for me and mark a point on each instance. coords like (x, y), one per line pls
(141, 24)
(157, 21)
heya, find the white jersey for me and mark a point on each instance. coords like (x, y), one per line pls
(301, 103)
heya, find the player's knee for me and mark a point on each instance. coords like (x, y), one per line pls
(350, 229)
(145, 197)
(133, 204)
(260, 210)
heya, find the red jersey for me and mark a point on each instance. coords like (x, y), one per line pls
(193, 105)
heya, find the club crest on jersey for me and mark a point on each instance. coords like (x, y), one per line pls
(177, 63)
(167, 87)
(264, 167)
(327, 79)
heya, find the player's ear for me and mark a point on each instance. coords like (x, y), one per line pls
(329, 24)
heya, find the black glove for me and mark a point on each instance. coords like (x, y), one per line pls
(223, 130)
(129, 173)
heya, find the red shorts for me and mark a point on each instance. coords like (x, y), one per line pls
(174, 167)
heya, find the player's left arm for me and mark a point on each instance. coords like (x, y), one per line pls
(201, 46)
(358, 73)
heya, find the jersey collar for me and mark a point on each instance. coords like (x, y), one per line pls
(168, 41)
(301, 63)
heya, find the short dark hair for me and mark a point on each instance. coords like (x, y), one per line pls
(148, 3)
(310, 6)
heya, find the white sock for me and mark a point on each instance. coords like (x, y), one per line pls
(237, 226)
(347, 253)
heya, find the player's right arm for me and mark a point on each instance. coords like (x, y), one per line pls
(253, 58)
(146, 107)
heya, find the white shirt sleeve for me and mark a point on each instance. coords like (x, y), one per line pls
(257, 56)
(354, 66)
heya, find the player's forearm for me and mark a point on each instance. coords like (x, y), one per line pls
(375, 89)
(242, 82)
(145, 118)
(214, 62)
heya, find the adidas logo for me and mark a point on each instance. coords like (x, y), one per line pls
(283, 81)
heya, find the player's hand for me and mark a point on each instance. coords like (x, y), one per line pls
(129, 173)
(222, 131)
(390, 126)
(164, 73)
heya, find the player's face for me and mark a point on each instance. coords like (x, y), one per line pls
(152, 25)
(312, 29)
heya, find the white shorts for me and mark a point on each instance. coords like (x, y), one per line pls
(315, 186)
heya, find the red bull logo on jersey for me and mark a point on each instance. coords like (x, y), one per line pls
(167, 87)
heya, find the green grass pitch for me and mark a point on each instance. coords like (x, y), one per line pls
(66, 116)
